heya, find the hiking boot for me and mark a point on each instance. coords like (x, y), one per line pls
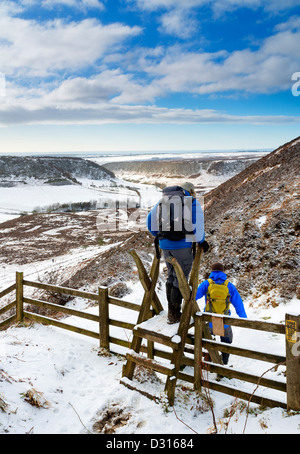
(220, 377)
(173, 318)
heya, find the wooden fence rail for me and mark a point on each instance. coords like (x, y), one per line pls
(202, 366)
(193, 351)
(8, 307)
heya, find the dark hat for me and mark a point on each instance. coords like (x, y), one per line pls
(217, 267)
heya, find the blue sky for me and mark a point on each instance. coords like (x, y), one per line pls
(148, 75)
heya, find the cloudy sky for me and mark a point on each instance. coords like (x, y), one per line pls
(148, 75)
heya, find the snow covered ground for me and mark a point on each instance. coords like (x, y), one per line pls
(80, 390)
(63, 264)
(31, 196)
(78, 386)
(20, 199)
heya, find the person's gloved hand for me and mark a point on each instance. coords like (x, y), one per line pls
(205, 246)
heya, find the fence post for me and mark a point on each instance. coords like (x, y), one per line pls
(19, 297)
(292, 333)
(103, 317)
(198, 352)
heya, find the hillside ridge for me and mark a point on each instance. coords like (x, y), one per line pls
(15, 170)
(252, 223)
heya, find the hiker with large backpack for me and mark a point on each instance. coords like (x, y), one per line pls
(219, 294)
(177, 223)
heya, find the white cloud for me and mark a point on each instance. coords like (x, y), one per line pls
(176, 18)
(279, 5)
(123, 83)
(113, 96)
(265, 70)
(292, 24)
(17, 6)
(226, 5)
(29, 48)
(77, 4)
(176, 14)
(33, 112)
(108, 85)
(178, 22)
(154, 5)
(7, 7)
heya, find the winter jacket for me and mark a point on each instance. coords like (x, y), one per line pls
(197, 219)
(219, 277)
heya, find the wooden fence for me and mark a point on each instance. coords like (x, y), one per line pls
(212, 345)
(194, 345)
(8, 307)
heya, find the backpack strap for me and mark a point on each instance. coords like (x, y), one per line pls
(209, 301)
(194, 249)
(227, 298)
(156, 245)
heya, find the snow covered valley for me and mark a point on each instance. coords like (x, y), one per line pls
(54, 381)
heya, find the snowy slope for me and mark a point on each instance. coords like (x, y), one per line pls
(80, 386)
(17, 200)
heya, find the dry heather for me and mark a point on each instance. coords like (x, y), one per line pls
(253, 224)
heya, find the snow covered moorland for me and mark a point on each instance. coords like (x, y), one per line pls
(39, 188)
(53, 381)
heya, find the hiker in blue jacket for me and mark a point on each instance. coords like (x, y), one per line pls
(218, 276)
(181, 249)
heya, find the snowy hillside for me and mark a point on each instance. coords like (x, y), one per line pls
(253, 224)
(57, 171)
(48, 184)
(206, 170)
(57, 382)
(24, 190)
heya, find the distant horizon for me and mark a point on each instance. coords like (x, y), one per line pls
(133, 153)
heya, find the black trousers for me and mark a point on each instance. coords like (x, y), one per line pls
(227, 339)
(185, 259)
